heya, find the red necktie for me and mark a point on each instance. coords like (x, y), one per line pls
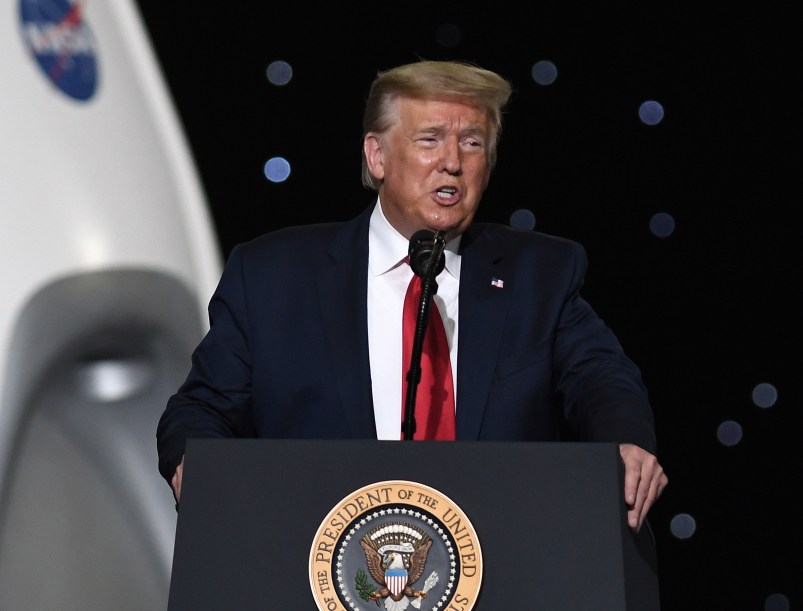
(434, 405)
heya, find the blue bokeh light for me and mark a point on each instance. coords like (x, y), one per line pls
(277, 169)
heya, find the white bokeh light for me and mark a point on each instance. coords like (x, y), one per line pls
(544, 72)
(279, 73)
(683, 526)
(729, 433)
(764, 395)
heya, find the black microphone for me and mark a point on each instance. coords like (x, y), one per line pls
(424, 247)
(426, 260)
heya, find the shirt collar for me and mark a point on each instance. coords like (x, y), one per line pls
(387, 247)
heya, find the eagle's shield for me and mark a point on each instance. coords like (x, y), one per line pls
(396, 580)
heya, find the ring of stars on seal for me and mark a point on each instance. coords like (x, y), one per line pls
(396, 512)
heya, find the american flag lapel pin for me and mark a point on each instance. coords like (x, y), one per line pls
(497, 282)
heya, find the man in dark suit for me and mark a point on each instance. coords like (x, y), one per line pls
(305, 325)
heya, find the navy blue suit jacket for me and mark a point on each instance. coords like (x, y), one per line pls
(286, 355)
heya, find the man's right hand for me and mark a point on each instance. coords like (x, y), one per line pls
(176, 481)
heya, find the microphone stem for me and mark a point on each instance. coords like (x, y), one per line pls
(428, 288)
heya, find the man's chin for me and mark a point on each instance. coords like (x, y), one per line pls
(451, 229)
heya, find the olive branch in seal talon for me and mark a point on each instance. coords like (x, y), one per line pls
(364, 588)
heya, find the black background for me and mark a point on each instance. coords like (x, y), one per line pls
(708, 312)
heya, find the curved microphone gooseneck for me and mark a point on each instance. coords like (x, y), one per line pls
(426, 260)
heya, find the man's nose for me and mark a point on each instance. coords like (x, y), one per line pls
(451, 156)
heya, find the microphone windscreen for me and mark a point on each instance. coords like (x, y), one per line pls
(422, 245)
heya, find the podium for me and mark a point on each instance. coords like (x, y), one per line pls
(548, 519)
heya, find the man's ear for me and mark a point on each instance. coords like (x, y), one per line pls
(372, 147)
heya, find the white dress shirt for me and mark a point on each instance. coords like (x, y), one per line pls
(388, 277)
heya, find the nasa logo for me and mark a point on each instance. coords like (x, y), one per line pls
(395, 544)
(62, 43)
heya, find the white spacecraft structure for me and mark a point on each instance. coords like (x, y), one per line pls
(108, 258)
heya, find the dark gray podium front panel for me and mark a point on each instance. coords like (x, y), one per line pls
(550, 519)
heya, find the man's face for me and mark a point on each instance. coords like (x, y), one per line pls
(433, 163)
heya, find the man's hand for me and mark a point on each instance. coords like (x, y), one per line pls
(645, 480)
(176, 481)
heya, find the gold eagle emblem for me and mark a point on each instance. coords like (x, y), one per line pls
(396, 555)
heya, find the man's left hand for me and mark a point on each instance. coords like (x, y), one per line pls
(645, 480)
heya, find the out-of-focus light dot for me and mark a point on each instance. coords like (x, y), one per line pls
(279, 73)
(662, 225)
(544, 72)
(113, 379)
(448, 35)
(277, 169)
(776, 602)
(765, 395)
(729, 433)
(651, 112)
(522, 219)
(683, 526)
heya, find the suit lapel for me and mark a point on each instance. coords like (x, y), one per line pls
(483, 311)
(342, 298)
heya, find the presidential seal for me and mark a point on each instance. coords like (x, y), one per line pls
(396, 545)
